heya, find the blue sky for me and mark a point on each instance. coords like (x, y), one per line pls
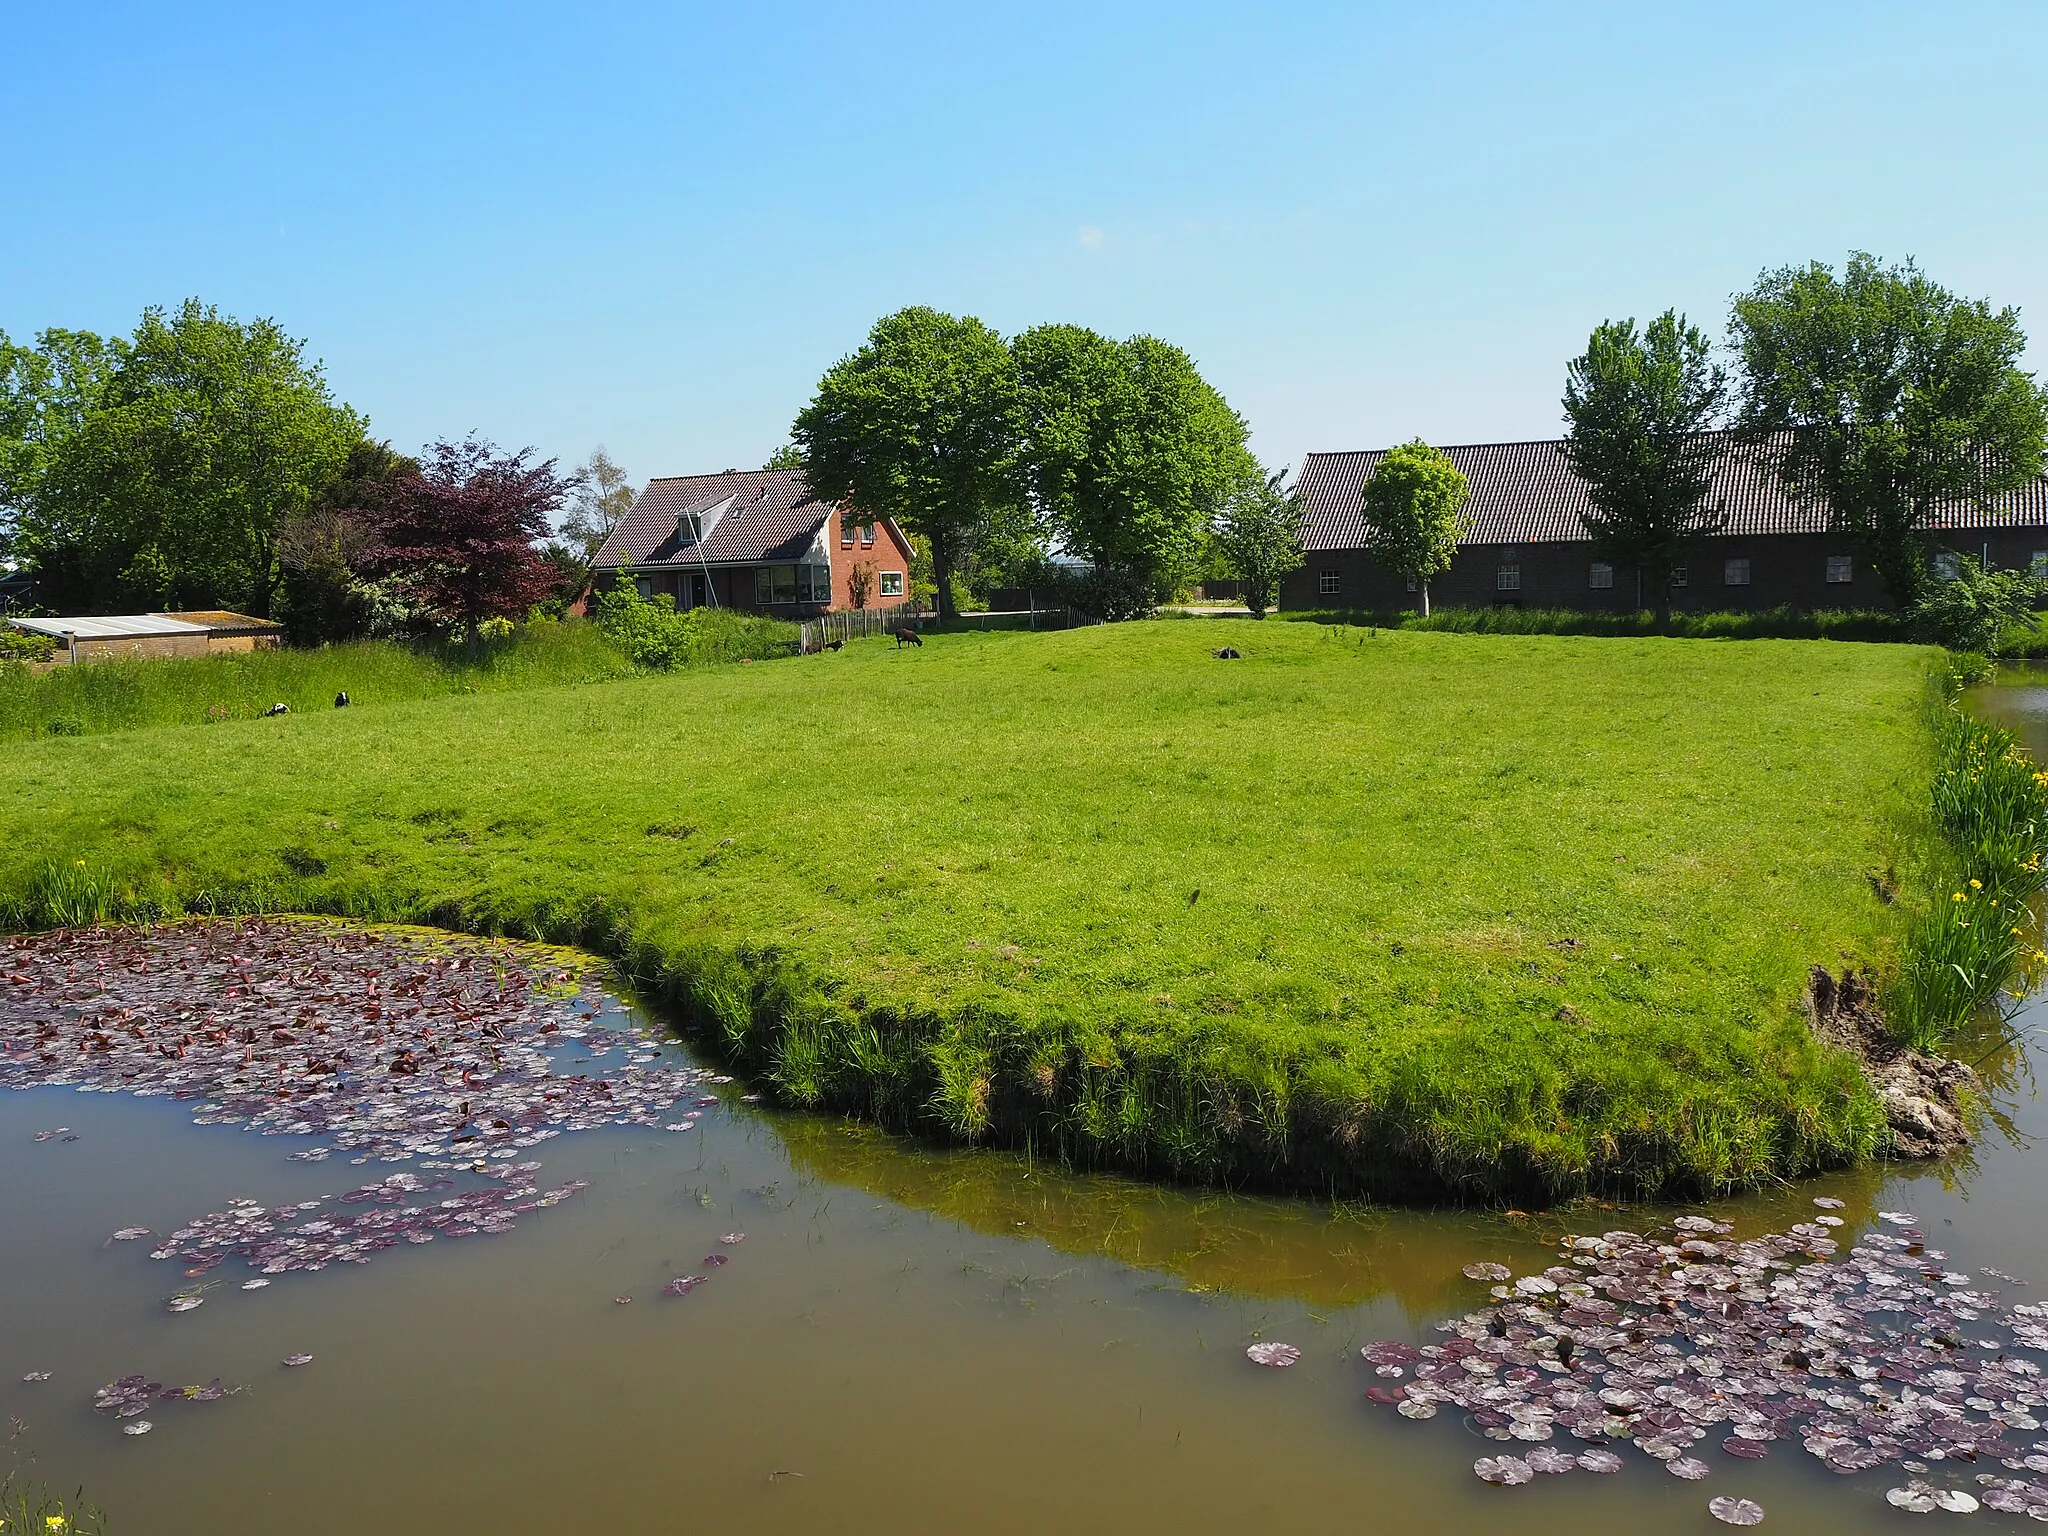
(654, 226)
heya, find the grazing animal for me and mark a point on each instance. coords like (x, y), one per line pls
(833, 645)
(1229, 653)
(909, 637)
(277, 709)
(341, 699)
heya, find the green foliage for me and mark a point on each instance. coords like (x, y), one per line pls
(36, 1511)
(1990, 809)
(1644, 412)
(601, 496)
(1464, 928)
(1413, 512)
(655, 636)
(1127, 451)
(24, 645)
(1899, 399)
(788, 456)
(1967, 608)
(1747, 624)
(101, 696)
(919, 426)
(205, 438)
(1257, 536)
(46, 392)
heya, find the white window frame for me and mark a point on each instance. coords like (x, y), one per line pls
(1842, 569)
(889, 584)
(1735, 571)
(867, 535)
(1680, 576)
(1329, 583)
(1600, 576)
(1507, 576)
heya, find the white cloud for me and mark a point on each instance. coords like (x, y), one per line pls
(1090, 237)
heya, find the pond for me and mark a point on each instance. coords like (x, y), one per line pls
(898, 1338)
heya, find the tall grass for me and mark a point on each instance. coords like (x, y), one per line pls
(26, 1511)
(1755, 624)
(1990, 807)
(123, 695)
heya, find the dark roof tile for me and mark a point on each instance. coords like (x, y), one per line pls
(764, 515)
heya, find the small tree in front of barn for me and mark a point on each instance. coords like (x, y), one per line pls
(1258, 536)
(1414, 513)
(1644, 413)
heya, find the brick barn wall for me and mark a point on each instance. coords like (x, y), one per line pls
(1785, 570)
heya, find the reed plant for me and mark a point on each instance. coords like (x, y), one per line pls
(36, 1511)
(1989, 807)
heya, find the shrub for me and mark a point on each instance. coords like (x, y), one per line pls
(20, 645)
(654, 635)
(1971, 609)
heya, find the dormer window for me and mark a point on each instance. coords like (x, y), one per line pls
(689, 528)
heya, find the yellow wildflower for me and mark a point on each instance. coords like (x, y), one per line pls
(1957, 897)
(1976, 885)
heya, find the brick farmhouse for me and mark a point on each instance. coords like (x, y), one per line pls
(1526, 542)
(752, 540)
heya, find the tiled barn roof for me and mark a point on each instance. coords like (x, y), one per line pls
(1526, 493)
(764, 516)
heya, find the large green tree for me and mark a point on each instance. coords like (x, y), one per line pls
(1887, 399)
(1258, 536)
(1127, 451)
(207, 438)
(1414, 506)
(46, 391)
(1645, 418)
(919, 425)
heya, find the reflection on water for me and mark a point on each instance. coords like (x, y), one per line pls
(906, 1340)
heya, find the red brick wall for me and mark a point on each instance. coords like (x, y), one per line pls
(888, 553)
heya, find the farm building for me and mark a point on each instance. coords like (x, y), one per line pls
(154, 635)
(753, 541)
(1526, 543)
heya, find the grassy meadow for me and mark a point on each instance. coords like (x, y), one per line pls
(1408, 914)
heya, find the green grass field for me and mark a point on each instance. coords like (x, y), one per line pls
(1411, 914)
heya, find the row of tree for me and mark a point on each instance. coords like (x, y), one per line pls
(1118, 454)
(203, 463)
(1876, 394)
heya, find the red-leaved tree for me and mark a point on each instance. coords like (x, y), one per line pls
(462, 536)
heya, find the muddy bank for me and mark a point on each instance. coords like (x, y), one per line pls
(1923, 1096)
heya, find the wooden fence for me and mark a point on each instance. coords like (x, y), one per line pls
(857, 623)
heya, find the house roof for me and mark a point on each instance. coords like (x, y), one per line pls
(1526, 493)
(123, 626)
(764, 516)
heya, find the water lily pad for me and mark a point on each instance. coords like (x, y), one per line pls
(1736, 1511)
(296, 1360)
(1686, 1467)
(139, 1427)
(1271, 1352)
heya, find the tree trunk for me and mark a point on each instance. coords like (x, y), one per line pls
(942, 576)
(1660, 585)
(1425, 596)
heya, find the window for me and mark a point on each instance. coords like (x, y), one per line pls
(1329, 583)
(644, 586)
(689, 528)
(1948, 564)
(1734, 573)
(2038, 564)
(1842, 568)
(1601, 577)
(792, 584)
(867, 536)
(845, 534)
(1414, 585)
(1679, 575)
(1508, 578)
(892, 583)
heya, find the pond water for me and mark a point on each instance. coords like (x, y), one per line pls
(906, 1339)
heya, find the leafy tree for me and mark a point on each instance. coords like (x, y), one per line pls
(461, 537)
(1127, 452)
(1886, 398)
(1258, 537)
(1968, 608)
(46, 392)
(206, 437)
(601, 496)
(1414, 505)
(919, 425)
(1645, 412)
(322, 551)
(788, 456)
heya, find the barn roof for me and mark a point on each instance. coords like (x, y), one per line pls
(1526, 493)
(109, 626)
(764, 515)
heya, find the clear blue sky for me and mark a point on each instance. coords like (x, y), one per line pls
(654, 226)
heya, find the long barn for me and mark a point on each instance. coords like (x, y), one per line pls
(1526, 543)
